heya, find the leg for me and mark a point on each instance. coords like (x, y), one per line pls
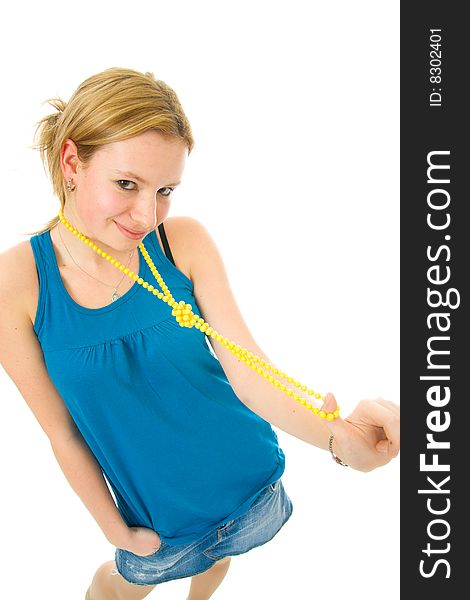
(108, 584)
(205, 584)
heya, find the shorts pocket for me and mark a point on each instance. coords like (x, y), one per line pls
(273, 487)
(162, 543)
(226, 526)
(157, 551)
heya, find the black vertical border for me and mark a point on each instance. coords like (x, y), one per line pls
(424, 129)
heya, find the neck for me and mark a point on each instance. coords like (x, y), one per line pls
(73, 249)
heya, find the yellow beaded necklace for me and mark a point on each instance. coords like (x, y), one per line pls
(186, 318)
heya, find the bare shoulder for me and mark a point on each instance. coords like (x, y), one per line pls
(182, 229)
(186, 236)
(19, 285)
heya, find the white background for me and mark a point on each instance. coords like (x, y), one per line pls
(294, 108)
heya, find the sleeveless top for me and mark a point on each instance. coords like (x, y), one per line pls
(180, 452)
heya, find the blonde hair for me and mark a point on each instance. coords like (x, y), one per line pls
(110, 106)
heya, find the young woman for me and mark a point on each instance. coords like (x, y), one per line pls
(133, 393)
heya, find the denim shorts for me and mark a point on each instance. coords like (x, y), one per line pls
(265, 517)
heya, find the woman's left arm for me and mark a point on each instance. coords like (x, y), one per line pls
(367, 439)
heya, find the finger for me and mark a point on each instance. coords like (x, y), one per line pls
(391, 446)
(389, 420)
(330, 405)
(382, 446)
(388, 448)
(395, 408)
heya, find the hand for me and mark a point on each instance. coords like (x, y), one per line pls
(142, 541)
(369, 437)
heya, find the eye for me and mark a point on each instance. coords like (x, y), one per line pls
(124, 184)
(168, 191)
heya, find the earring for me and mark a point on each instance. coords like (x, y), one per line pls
(70, 186)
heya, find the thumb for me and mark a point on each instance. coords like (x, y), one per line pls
(382, 446)
(330, 406)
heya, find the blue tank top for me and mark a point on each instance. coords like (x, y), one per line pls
(179, 450)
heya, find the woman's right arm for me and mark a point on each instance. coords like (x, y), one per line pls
(22, 358)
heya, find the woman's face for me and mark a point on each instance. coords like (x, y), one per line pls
(124, 191)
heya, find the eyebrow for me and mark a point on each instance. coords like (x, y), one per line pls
(134, 176)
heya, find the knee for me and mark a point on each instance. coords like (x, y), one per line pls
(102, 585)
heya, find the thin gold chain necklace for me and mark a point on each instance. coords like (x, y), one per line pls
(115, 295)
(186, 318)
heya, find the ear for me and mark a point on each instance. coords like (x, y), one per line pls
(69, 160)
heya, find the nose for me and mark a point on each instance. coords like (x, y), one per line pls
(144, 213)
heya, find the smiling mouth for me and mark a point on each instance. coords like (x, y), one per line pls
(131, 231)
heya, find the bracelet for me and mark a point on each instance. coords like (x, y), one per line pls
(335, 458)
